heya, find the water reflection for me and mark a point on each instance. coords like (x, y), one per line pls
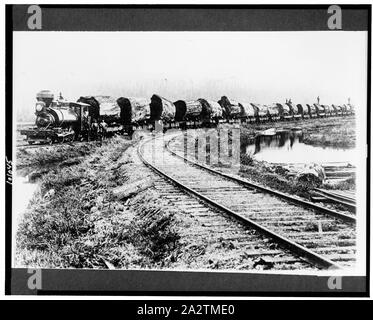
(288, 147)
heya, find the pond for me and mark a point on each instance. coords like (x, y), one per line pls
(288, 147)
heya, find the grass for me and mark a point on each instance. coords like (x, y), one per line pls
(337, 132)
(275, 178)
(322, 227)
(54, 154)
(82, 225)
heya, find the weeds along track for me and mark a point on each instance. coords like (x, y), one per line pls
(324, 239)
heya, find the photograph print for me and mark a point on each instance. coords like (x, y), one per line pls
(209, 151)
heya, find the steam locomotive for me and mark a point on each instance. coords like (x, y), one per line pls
(60, 120)
(63, 121)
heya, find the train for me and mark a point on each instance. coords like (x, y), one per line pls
(59, 120)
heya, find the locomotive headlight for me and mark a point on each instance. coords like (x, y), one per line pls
(39, 107)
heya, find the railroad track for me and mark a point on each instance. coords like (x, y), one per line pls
(323, 237)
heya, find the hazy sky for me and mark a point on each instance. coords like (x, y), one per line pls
(261, 67)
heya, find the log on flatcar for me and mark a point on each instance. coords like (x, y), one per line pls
(262, 112)
(285, 112)
(327, 109)
(294, 110)
(248, 111)
(231, 108)
(303, 111)
(312, 110)
(180, 110)
(334, 110)
(274, 112)
(134, 111)
(320, 110)
(162, 110)
(188, 111)
(351, 108)
(106, 110)
(339, 110)
(212, 112)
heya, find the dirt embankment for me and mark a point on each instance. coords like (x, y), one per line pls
(75, 220)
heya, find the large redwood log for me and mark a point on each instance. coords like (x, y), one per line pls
(180, 110)
(312, 111)
(248, 110)
(319, 108)
(134, 110)
(188, 110)
(231, 108)
(301, 110)
(274, 110)
(102, 106)
(193, 110)
(284, 109)
(263, 110)
(327, 108)
(211, 109)
(161, 109)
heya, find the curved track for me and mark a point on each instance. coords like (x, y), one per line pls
(326, 239)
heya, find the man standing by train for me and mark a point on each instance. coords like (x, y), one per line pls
(103, 127)
(94, 129)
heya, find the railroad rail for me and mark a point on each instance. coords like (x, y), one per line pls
(324, 238)
(289, 198)
(345, 198)
(210, 230)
